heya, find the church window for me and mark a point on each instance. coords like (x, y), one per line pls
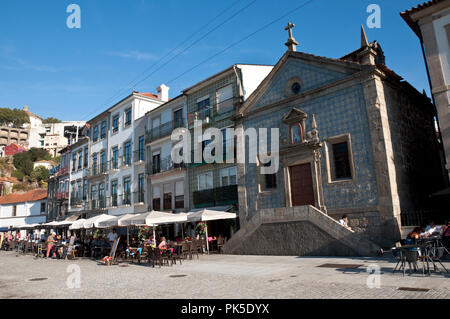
(295, 88)
(339, 158)
(296, 133)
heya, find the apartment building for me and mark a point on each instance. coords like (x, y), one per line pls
(213, 102)
(58, 188)
(115, 158)
(79, 158)
(166, 179)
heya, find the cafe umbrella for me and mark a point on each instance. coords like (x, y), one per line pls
(155, 218)
(206, 215)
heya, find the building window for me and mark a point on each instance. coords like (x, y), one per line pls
(126, 191)
(228, 176)
(127, 153)
(114, 193)
(14, 211)
(141, 148)
(79, 190)
(296, 133)
(94, 164)
(179, 194)
(86, 157)
(43, 207)
(80, 159)
(339, 158)
(225, 99)
(156, 202)
(269, 180)
(74, 162)
(341, 161)
(141, 189)
(95, 134)
(115, 124)
(295, 88)
(156, 162)
(94, 197)
(101, 195)
(103, 130)
(205, 181)
(128, 117)
(178, 118)
(115, 157)
(85, 189)
(103, 162)
(167, 202)
(203, 110)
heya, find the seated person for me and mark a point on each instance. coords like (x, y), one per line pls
(163, 243)
(446, 234)
(344, 221)
(431, 230)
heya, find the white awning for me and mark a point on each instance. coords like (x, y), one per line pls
(156, 218)
(106, 219)
(206, 215)
(133, 220)
(78, 224)
(90, 223)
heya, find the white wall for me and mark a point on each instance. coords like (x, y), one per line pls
(26, 213)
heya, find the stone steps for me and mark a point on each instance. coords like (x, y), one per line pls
(308, 219)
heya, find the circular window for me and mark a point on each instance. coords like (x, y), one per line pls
(295, 88)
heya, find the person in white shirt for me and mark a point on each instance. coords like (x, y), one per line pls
(344, 221)
(431, 229)
(112, 236)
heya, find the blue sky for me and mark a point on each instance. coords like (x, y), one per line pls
(73, 74)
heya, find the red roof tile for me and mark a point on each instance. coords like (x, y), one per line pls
(33, 195)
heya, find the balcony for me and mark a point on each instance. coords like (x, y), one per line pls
(62, 195)
(139, 156)
(139, 197)
(76, 201)
(126, 160)
(209, 114)
(125, 199)
(224, 195)
(98, 169)
(163, 130)
(97, 204)
(164, 165)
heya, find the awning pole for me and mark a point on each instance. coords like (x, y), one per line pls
(128, 238)
(207, 241)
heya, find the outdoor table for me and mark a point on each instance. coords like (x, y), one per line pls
(425, 251)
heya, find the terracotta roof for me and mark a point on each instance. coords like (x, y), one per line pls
(9, 179)
(33, 195)
(148, 95)
(422, 6)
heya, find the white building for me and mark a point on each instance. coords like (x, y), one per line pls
(52, 137)
(23, 209)
(124, 187)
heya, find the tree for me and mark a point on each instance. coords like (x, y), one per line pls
(40, 173)
(14, 117)
(50, 120)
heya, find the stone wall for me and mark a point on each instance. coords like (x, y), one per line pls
(419, 172)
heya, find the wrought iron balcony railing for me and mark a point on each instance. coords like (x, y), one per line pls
(216, 196)
(163, 130)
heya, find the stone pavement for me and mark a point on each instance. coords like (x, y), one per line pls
(214, 276)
